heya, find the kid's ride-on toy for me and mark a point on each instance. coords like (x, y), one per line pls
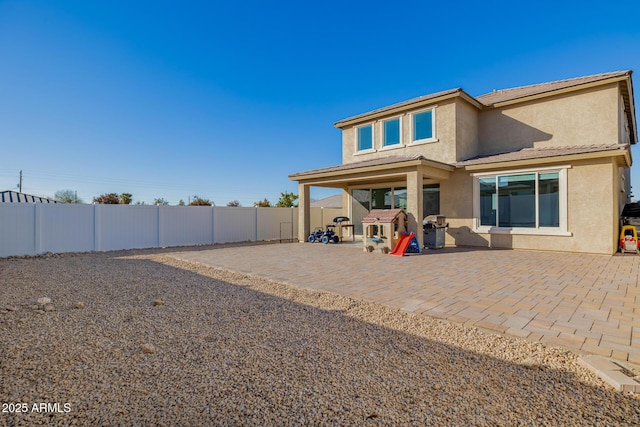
(316, 235)
(330, 236)
(629, 239)
(319, 235)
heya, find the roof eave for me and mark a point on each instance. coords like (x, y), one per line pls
(302, 176)
(622, 153)
(634, 129)
(561, 91)
(375, 114)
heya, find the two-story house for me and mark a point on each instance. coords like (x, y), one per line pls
(543, 167)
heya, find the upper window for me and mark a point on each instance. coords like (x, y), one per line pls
(391, 130)
(365, 138)
(423, 126)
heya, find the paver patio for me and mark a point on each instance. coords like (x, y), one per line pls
(589, 303)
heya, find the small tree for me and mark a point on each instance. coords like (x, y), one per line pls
(67, 196)
(287, 200)
(262, 204)
(197, 201)
(107, 199)
(181, 203)
(162, 202)
(126, 198)
(234, 204)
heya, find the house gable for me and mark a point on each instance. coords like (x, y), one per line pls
(582, 117)
(454, 130)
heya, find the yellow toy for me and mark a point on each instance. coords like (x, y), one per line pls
(629, 239)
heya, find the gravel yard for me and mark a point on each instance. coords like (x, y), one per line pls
(139, 338)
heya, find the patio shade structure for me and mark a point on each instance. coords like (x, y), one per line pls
(413, 170)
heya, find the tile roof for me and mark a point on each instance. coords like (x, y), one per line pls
(539, 153)
(382, 215)
(502, 95)
(496, 96)
(400, 105)
(523, 154)
(362, 164)
(328, 202)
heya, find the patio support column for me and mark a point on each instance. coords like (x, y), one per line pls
(304, 212)
(414, 204)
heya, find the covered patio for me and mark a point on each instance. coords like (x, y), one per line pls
(406, 175)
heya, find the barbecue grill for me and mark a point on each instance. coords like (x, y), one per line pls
(434, 228)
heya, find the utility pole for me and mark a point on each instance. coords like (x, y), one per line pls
(20, 184)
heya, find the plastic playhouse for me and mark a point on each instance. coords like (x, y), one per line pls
(382, 229)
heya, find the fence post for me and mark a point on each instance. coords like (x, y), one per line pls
(96, 228)
(36, 228)
(294, 231)
(256, 236)
(158, 227)
(213, 225)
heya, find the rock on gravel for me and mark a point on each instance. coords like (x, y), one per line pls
(241, 350)
(43, 301)
(149, 348)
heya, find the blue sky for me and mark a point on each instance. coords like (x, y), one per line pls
(224, 99)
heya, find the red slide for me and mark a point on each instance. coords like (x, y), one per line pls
(403, 243)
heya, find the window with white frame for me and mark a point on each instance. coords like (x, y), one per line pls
(391, 132)
(424, 126)
(522, 200)
(365, 138)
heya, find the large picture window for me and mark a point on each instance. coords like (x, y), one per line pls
(549, 199)
(524, 200)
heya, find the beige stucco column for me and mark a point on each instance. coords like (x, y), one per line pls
(414, 204)
(304, 212)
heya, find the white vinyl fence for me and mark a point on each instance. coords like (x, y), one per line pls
(37, 228)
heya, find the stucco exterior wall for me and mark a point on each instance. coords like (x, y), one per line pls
(593, 207)
(456, 203)
(466, 130)
(586, 117)
(443, 150)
